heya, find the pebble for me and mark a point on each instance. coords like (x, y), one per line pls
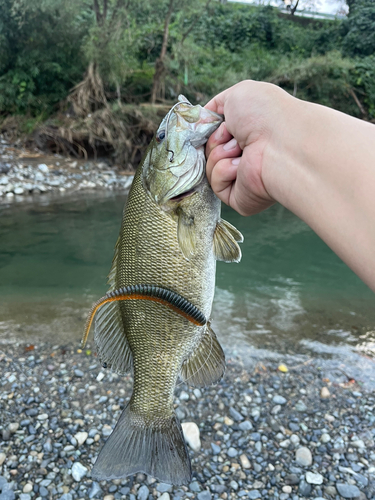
(279, 400)
(254, 494)
(215, 449)
(204, 495)
(246, 425)
(245, 462)
(325, 438)
(184, 396)
(324, 393)
(81, 437)
(303, 456)
(300, 406)
(191, 435)
(79, 471)
(94, 490)
(232, 452)
(287, 489)
(163, 487)
(164, 496)
(313, 478)
(348, 490)
(143, 493)
(27, 488)
(235, 414)
(2, 458)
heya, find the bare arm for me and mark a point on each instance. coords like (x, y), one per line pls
(317, 162)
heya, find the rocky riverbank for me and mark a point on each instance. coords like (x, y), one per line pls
(262, 433)
(28, 172)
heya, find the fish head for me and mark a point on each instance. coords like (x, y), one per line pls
(176, 163)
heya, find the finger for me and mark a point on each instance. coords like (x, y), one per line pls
(217, 103)
(228, 150)
(223, 175)
(220, 136)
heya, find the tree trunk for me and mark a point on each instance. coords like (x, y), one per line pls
(294, 8)
(160, 69)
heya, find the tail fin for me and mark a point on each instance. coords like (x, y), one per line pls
(159, 451)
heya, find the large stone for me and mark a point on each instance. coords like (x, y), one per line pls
(165, 496)
(163, 487)
(79, 471)
(191, 435)
(348, 490)
(235, 414)
(303, 456)
(204, 495)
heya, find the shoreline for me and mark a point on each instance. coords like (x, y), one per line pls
(25, 173)
(264, 434)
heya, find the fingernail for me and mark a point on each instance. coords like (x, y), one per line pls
(219, 133)
(236, 161)
(230, 145)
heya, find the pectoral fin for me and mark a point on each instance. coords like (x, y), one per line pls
(225, 242)
(186, 235)
(206, 365)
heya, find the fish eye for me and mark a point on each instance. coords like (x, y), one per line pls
(160, 136)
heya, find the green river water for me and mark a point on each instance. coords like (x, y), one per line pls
(291, 298)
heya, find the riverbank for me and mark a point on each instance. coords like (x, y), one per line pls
(25, 172)
(263, 433)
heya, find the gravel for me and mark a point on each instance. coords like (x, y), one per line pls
(64, 419)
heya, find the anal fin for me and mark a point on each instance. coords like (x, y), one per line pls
(206, 365)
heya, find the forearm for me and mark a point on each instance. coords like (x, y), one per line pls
(322, 168)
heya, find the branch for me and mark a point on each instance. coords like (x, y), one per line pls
(166, 30)
(357, 101)
(293, 9)
(195, 18)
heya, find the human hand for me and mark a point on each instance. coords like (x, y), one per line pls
(243, 151)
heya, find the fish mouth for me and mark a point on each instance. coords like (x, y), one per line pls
(181, 196)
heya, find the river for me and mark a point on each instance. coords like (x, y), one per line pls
(291, 298)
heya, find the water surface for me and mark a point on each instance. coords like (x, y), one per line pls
(290, 297)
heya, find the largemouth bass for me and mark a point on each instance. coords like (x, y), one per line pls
(155, 318)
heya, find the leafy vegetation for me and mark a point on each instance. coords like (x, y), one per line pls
(82, 56)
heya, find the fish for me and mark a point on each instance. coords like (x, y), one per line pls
(155, 320)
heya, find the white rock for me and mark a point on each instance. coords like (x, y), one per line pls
(2, 458)
(27, 488)
(294, 439)
(42, 416)
(13, 427)
(313, 478)
(78, 471)
(358, 443)
(18, 190)
(329, 417)
(303, 456)
(81, 437)
(287, 489)
(165, 496)
(184, 396)
(191, 435)
(324, 393)
(4, 180)
(245, 463)
(100, 376)
(325, 438)
(285, 443)
(43, 168)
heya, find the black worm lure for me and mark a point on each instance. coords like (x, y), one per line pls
(163, 296)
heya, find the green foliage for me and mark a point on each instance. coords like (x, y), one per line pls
(363, 79)
(46, 47)
(360, 29)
